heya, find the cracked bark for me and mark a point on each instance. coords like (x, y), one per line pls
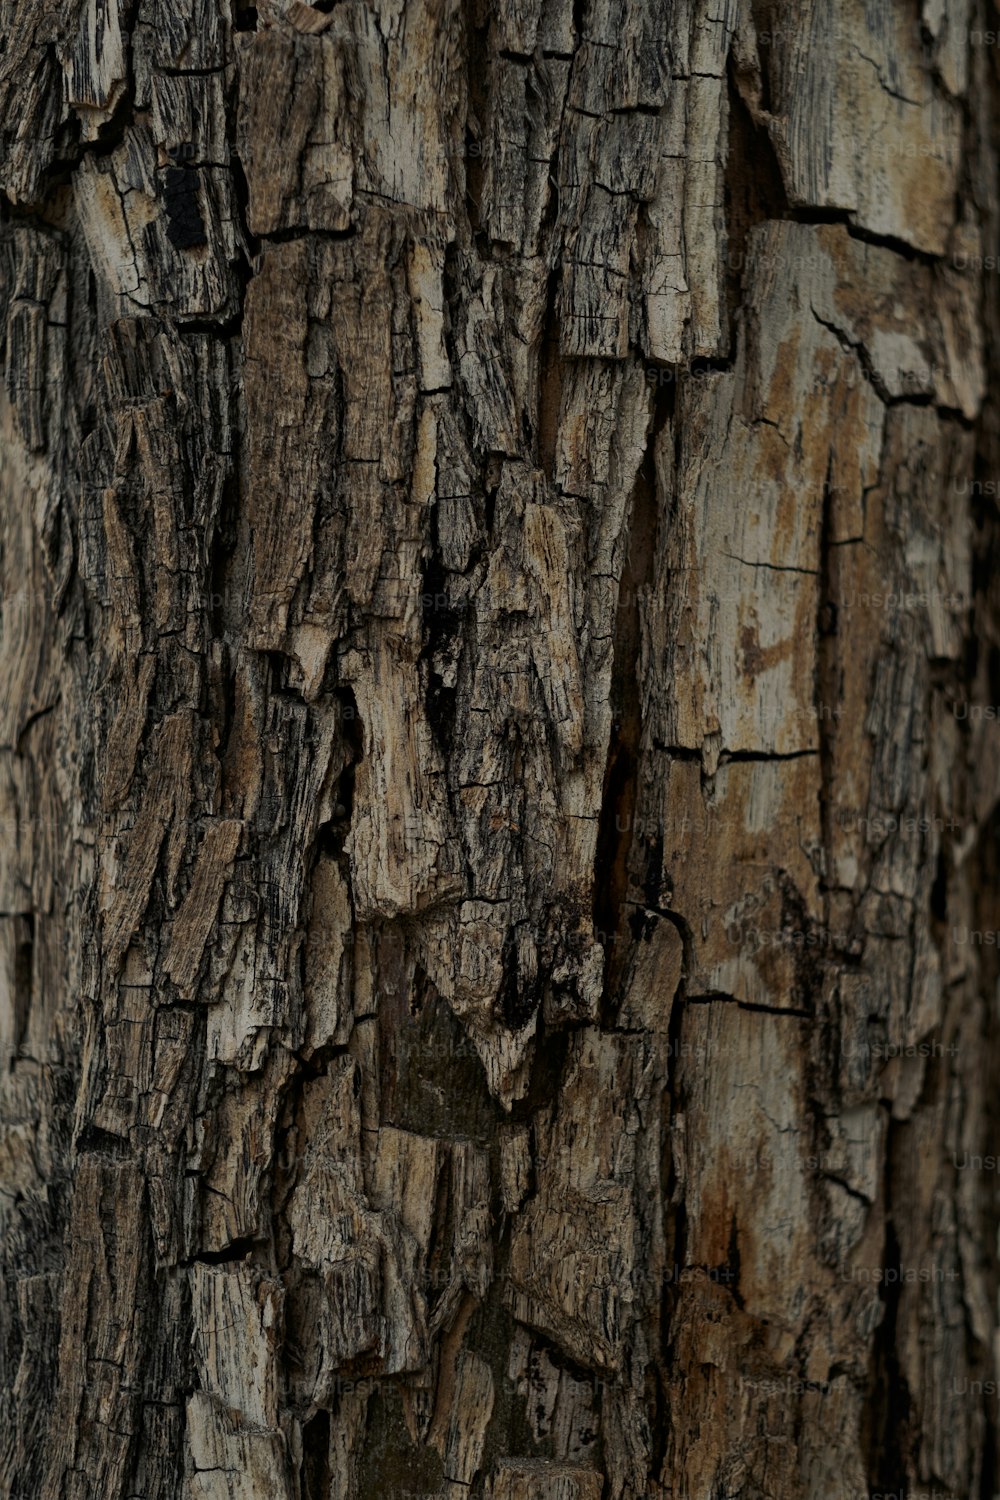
(488, 994)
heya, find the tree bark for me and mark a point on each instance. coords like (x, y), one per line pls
(499, 756)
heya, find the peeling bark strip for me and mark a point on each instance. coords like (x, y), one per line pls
(499, 751)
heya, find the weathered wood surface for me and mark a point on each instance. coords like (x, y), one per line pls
(499, 758)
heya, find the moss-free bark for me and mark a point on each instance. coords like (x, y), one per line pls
(499, 756)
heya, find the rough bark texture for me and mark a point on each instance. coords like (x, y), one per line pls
(499, 780)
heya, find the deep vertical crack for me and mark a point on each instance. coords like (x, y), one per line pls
(621, 777)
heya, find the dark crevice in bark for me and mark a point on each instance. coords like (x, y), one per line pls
(30, 721)
(705, 365)
(551, 369)
(442, 634)
(846, 1187)
(223, 565)
(939, 897)
(718, 997)
(763, 24)
(675, 1227)
(579, 11)
(517, 1003)
(219, 329)
(886, 1441)
(29, 215)
(477, 76)
(350, 717)
(317, 1064)
(179, 187)
(440, 1239)
(729, 1273)
(219, 571)
(989, 1477)
(683, 929)
(278, 686)
(92, 1138)
(943, 413)
(165, 70)
(547, 1069)
(658, 1412)
(619, 797)
(855, 347)
(732, 757)
(316, 1457)
(23, 984)
(305, 232)
(677, 752)
(232, 1254)
(754, 190)
(903, 248)
(250, 243)
(815, 941)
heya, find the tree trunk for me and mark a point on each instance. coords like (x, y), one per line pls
(499, 756)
